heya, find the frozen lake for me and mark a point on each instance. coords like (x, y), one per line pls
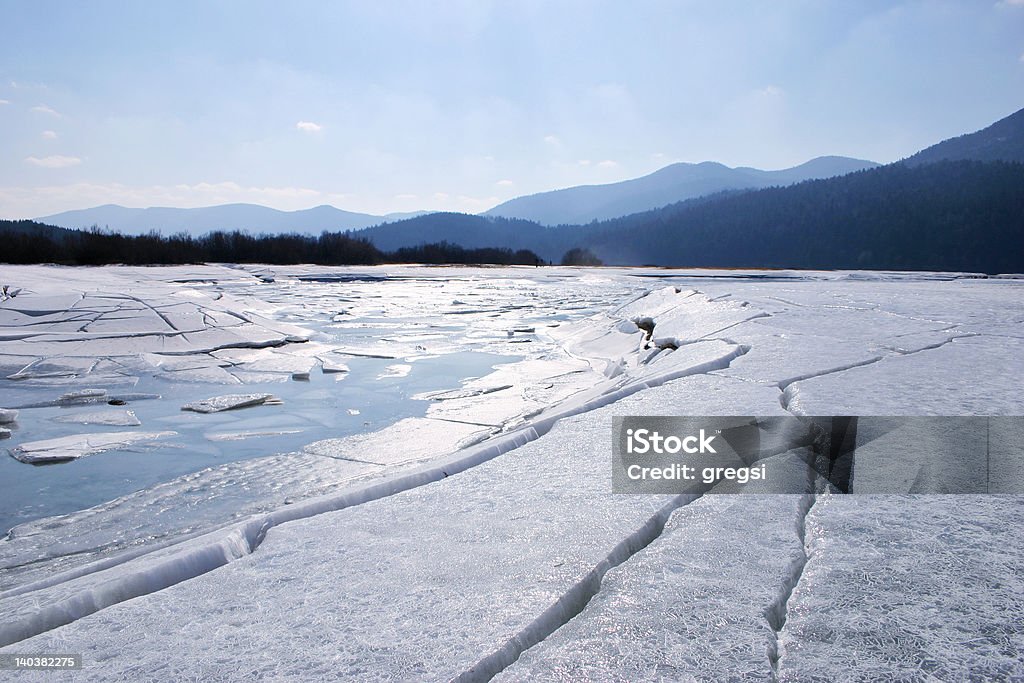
(348, 353)
(471, 494)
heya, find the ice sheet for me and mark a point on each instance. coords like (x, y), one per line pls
(919, 587)
(458, 576)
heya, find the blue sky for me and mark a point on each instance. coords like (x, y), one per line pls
(460, 104)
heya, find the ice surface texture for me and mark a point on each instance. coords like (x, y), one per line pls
(526, 555)
(909, 588)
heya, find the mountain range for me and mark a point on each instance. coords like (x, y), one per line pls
(252, 218)
(573, 205)
(674, 183)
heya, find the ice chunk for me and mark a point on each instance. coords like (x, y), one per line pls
(8, 415)
(249, 434)
(395, 371)
(329, 363)
(82, 396)
(76, 446)
(115, 418)
(217, 404)
(454, 394)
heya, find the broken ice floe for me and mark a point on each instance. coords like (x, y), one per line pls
(329, 364)
(217, 404)
(77, 446)
(114, 418)
(249, 434)
(7, 415)
(395, 371)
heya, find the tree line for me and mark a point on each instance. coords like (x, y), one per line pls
(30, 242)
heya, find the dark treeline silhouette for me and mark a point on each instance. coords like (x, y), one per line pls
(578, 256)
(30, 242)
(445, 252)
(951, 215)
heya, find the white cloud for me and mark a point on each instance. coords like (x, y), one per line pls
(552, 140)
(55, 161)
(406, 197)
(309, 127)
(441, 196)
(504, 183)
(3, 102)
(43, 109)
(769, 91)
(607, 163)
(49, 135)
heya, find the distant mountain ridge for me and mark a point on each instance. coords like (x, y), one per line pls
(252, 218)
(1002, 141)
(674, 183)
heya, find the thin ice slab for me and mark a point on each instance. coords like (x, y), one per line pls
(113, 418)
(77, 446)
(218, 404)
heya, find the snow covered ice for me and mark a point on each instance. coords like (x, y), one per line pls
(479, 535)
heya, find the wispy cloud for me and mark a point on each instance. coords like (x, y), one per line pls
(3, 102)
(309, 127)
(49, 135)
(54, 161)
(504, 183)
(608, 163)
(552, 140)
(43, 109)
(769, 91)
(406, 197)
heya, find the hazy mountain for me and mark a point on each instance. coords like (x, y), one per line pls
(1002, 141)
(249, 217)
(678, 182)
